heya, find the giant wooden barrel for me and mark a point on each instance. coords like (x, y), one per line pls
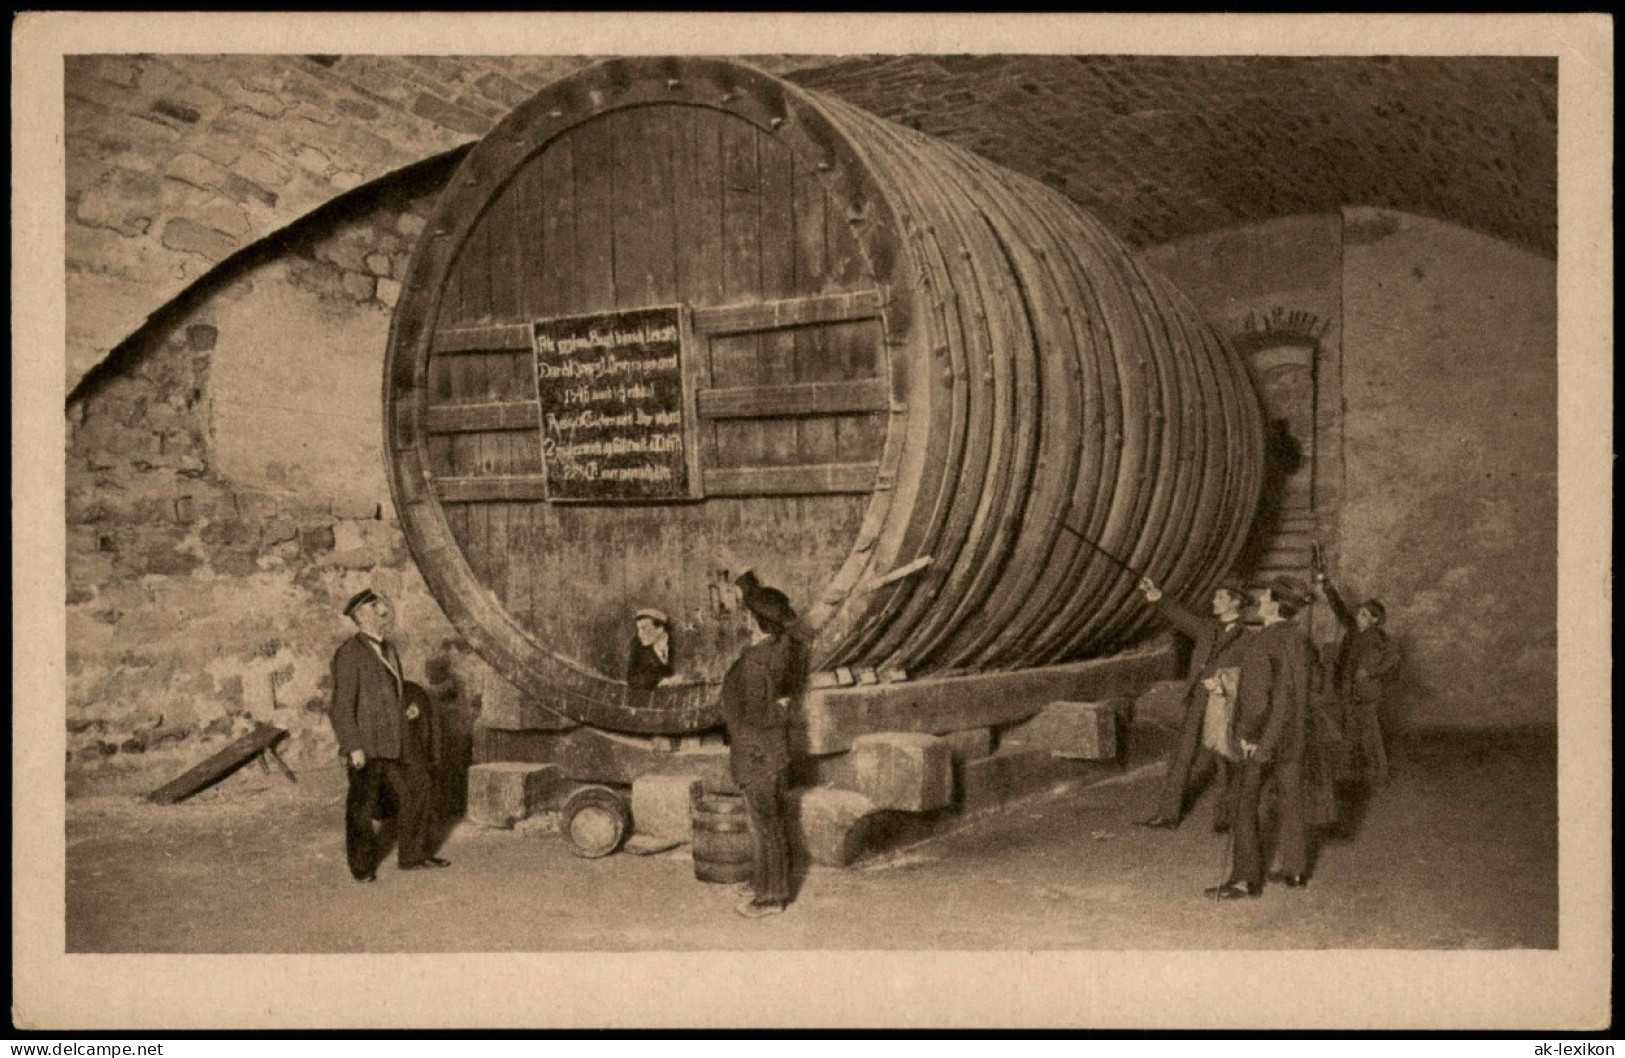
(676, 318)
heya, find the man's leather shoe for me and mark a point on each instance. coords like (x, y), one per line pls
(365, 877)
(1292, 881)
(1157, 823)
(1234, 891)
(759, 908)
(432, 861)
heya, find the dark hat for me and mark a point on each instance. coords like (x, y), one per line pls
(1289, 590)
(359, 599)
(1378, 610)
(770, 604)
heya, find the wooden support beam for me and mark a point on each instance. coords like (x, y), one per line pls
(270, 751)
(217, 767)
(714, 321)
(500, 338)
(829, 720)
(810, 480)
(807, 398)
(790, 312)
(816, 480)
(495, 489)
(896, 575)
(472, 418)
(1282, 558)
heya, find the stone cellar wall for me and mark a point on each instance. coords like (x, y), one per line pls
(226, 493)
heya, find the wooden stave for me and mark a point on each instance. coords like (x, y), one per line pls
(942, 530)
(1042, 510)
(963, 581)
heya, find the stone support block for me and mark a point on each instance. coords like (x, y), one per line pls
(1162, 703)
(971, 744)
(903, 772)
(1079, 730)
(660, 805)
(830, 827)
(500, 795)
(1013, 773)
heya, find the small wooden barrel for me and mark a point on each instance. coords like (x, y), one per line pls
(595, 821)
(723, 849)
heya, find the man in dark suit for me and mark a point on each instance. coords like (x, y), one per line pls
(755, 706)
(1272, 701)
(1217, 646)
(381, 737)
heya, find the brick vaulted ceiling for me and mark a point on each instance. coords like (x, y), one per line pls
(1163, 147)
(176, 162)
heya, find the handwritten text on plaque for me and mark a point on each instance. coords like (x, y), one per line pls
(611, 392)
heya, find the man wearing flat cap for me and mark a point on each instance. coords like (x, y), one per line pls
(381, 736)
(649, 660)
(756, 695)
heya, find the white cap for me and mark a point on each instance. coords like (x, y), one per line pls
(653, 615)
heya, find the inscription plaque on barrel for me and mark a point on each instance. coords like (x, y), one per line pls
(611, 394)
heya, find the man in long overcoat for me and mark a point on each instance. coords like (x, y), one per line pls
(1218, 643)
(1366, 660)
(755, 706)
(1272, 701)
(384, 739)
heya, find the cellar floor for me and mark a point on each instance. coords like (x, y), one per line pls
(1460, 851)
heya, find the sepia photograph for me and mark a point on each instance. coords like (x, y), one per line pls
(719, 504)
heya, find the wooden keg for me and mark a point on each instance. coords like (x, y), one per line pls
(595, 821)
(723, 848)
(676, 318)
